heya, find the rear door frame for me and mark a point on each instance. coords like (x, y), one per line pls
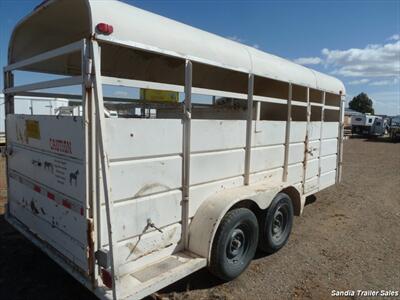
(85, 80)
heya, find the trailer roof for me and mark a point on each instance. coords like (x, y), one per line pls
(56, 23)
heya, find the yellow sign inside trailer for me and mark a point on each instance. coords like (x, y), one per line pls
(159, 96)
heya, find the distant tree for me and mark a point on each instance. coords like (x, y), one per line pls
(362, 103)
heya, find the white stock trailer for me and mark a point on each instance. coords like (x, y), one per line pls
(130, 205)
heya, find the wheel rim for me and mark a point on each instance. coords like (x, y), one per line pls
(280, 222)
(237, 245)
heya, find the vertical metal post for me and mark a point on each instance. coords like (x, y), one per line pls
(306, 141)
(287, 134)
(8, 109)
(97, 172)
(249, 129)
(187, 120)
(321, 137)
(258, 111)
(257, 116)
(340, 140)
(98, 93)
(90, 154)
(8, 98)
(86, 119)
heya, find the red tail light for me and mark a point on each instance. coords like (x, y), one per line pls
(106, 277)
(105, 28)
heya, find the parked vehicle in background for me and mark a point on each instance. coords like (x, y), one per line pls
(31, 106)
(368, 125)
(395, 128)
(348, 114)
(130, 205)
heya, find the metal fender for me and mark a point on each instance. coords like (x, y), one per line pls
(210, 213)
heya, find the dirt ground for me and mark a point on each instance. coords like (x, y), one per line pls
(347, 239)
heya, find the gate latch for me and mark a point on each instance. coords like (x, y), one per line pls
(151, 224)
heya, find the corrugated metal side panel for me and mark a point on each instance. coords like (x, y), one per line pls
(146, 170)
(267, 157)
(142, 138)
(131, 216)
(312, 168)
(267, 133)
(207, 167)
(213, 135)
(327, 179)
(329, 146)
(331, 130)
(329, 154)
(145, 173)
(298, 132)
(145, 178)
(314, 131)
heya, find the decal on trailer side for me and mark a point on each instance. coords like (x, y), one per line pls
(47, 133)
(32, 129)
(63, 174)
(62, 146)
(50, 194)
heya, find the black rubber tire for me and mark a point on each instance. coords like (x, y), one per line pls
(238, 226)
(272, 236)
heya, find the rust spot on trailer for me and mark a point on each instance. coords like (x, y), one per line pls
(90, 250)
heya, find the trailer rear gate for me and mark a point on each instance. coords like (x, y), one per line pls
(46, 169)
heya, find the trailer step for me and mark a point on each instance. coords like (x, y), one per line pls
(156, 276)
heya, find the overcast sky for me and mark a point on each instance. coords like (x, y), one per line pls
(356, 41)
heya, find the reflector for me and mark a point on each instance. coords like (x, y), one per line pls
(105, 28)
(106, 278)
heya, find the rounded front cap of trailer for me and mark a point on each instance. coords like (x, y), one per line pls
(57, 23)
